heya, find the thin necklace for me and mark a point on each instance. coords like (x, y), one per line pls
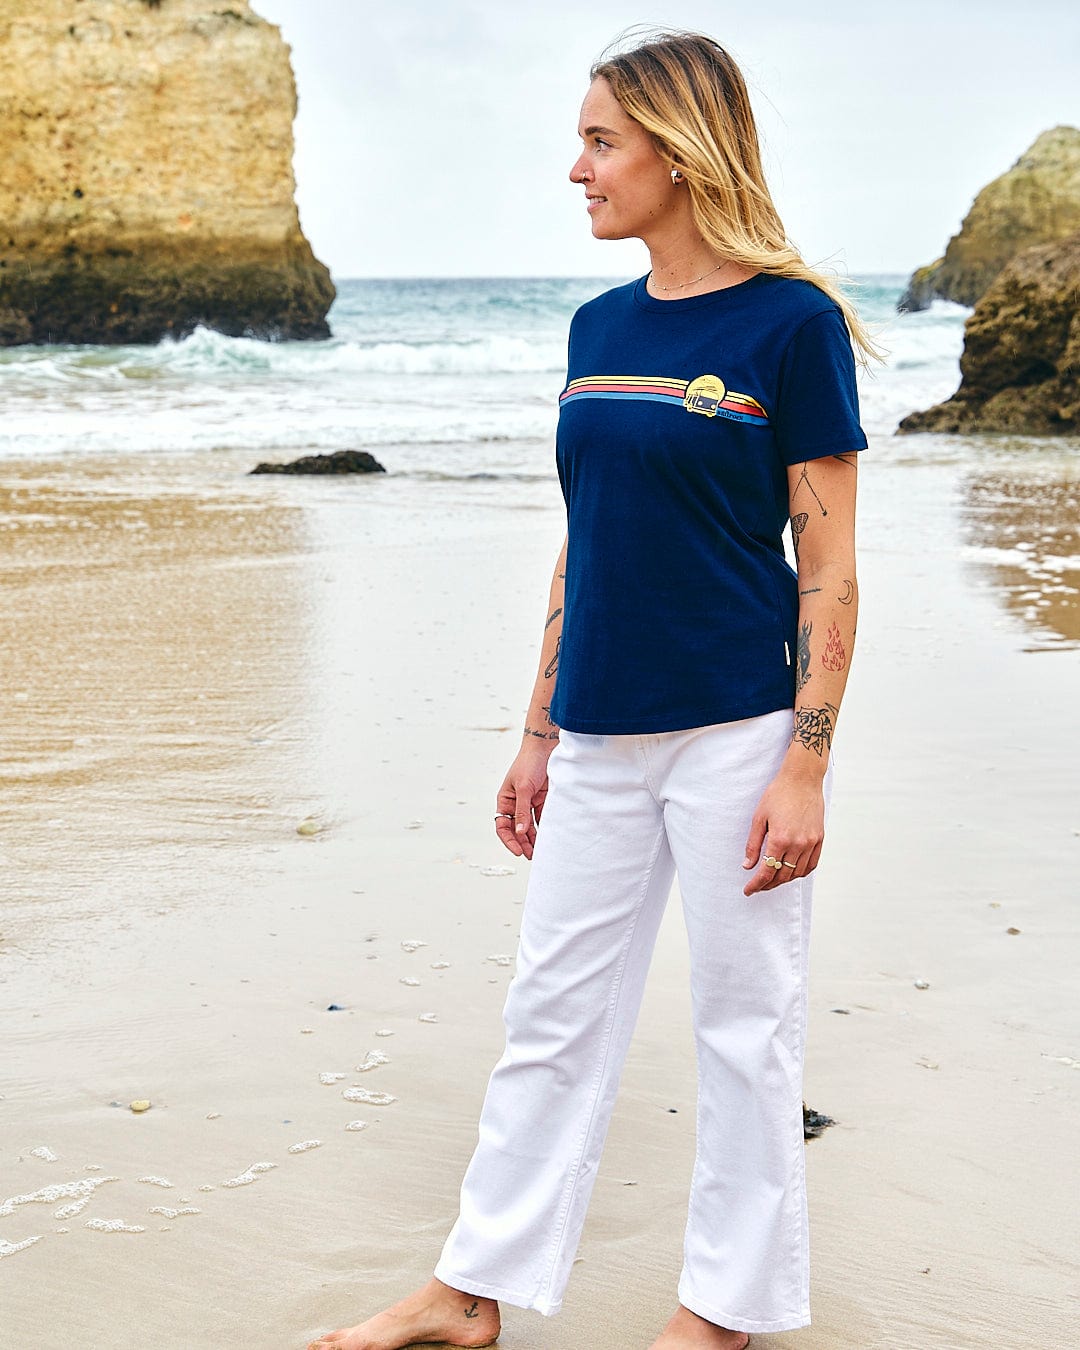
(683, 285)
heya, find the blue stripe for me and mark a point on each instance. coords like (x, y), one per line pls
(669, 399)
(675, 399)
(757, 419)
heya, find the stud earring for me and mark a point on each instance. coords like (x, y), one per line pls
(676, 176)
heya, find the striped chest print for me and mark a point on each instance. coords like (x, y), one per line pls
(707, 395)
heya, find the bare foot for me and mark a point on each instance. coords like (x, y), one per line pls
(435, 1313)
(688, 1331)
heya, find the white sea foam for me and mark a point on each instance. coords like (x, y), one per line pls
(80, 1191)
(10, 1248)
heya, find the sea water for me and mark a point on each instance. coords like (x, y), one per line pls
(434, 377)
(453, 385)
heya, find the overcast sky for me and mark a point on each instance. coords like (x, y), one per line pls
(434, 139)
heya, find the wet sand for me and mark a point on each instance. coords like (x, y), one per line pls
(194, 663)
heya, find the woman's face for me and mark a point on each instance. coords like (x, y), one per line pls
(628, 185)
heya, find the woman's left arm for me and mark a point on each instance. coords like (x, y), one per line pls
(789, 823)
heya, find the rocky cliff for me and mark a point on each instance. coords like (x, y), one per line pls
(1020, 370)
(147, 181)
(1036, 202)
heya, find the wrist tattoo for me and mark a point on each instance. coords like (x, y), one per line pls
(543, 735)
(814, 727)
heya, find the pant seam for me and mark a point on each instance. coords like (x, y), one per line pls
(571, 1186)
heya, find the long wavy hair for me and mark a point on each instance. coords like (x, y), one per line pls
(691, 98)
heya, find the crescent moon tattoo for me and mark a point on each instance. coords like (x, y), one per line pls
(849, 594)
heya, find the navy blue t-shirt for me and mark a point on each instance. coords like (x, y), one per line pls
(677, 423)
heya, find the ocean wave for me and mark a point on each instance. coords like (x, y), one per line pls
(210, 356)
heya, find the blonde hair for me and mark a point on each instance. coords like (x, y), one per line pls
(691, 98)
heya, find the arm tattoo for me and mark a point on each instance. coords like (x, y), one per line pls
(814, 727)
(849, 594)
(547, 714)
(811, 590)
(834, 657)
(850, 458)
(805, 478)
(553, 665)
(798, 524)
(553, 618)
(543, 735)
(802, 651)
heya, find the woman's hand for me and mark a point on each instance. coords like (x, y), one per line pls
(790, 820)
(522, 795)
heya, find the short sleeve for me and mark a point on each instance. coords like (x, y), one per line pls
(817, 411)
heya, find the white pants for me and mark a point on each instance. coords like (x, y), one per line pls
(622, 815)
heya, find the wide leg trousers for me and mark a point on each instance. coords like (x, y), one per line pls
(623, 814)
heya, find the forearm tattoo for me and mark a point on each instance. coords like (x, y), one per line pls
(814, 727)
(802, 653)
(543, 735)
(834, 657)
(553, 665)
(553, 618)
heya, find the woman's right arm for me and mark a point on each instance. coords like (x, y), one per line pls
(524, 789)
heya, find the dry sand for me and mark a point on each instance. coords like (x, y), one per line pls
(194, 663)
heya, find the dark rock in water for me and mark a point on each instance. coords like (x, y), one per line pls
(341, 461)
(1020, 371)
(1037, 201)
(813, 1122)
(922, 289)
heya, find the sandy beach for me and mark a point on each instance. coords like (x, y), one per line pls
(195, 663)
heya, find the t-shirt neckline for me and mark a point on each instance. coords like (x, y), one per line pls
(719, 297)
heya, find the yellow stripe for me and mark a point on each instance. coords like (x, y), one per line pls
(630, 381)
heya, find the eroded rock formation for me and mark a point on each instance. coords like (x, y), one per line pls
(147, 184)
(1020, 370)
(1036, 202)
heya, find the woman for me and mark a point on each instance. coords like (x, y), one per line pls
(681, 720)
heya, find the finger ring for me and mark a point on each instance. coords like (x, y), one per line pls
(793, 866)
(504, 815)
(774, 863)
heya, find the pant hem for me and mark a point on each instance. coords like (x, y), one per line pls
(470, 1286)
(733, 1322)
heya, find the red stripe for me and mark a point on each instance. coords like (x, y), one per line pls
(743, 408)
(626, 389)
